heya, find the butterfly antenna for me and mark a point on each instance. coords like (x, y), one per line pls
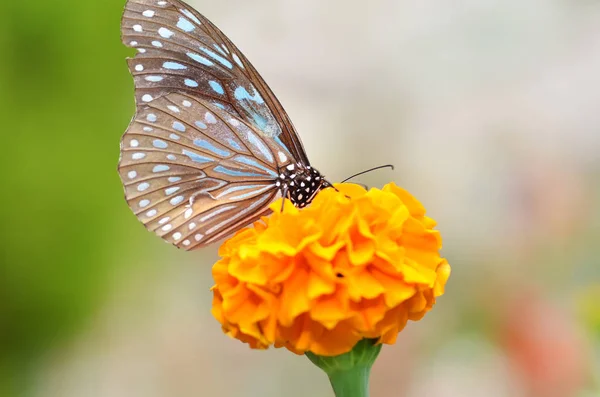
(367, 171)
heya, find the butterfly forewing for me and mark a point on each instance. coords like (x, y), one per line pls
(194, 173)
(180, 50)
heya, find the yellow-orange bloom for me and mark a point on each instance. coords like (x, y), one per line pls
(322, 278)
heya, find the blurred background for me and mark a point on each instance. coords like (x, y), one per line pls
(488, 108)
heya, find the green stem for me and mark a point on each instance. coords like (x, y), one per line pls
(349, 372)
(351, 383)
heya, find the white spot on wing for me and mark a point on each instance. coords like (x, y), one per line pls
(151, 213)
(237, 60)
(176, 200)
(282, 157)
(160, 168)
(165, 33)
(210, 118)
(178, 126)
(157, 143)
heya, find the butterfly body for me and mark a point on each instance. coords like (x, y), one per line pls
(300, 183)
(210, 146)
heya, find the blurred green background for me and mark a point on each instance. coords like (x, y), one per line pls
(488, 109)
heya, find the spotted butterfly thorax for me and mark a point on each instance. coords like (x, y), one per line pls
(210, 146)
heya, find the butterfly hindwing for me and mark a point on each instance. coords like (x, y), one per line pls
(194, 173)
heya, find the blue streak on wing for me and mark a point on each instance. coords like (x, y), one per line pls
(241, 93)
(249, 161)
(234, 144)
(199, 59)
(218, 88)
(258, 144)
(227, 171)
(217, 58)
(197, 158)
(211, 148)
(174, 66)
(252, 193)
(254, 107)
(185, 25)
(191, 16)
(278, 141)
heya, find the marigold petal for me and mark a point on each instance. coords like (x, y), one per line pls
(336, 341)
(414, 272)
(394, 321)
(396, 289)
(415, 207)
(319, 286)
(369, 312)
(294, 298)
(351, 190)
(329, 310)
(363, 285)
(443, 273)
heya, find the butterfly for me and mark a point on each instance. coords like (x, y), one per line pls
(210, 146)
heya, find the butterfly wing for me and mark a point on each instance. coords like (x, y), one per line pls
(194, 173)
(180, 50)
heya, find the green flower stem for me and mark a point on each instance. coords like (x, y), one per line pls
(351, 383)
(349, 372)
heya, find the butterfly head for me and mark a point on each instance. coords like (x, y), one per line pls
(300, 183)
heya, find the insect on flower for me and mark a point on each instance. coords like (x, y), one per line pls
(210, 146)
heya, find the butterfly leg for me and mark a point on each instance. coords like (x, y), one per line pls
(284, 194)
(327, 184)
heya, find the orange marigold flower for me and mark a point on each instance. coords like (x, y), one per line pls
(352, 265)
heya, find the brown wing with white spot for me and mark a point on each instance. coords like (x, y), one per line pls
(194, 173)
